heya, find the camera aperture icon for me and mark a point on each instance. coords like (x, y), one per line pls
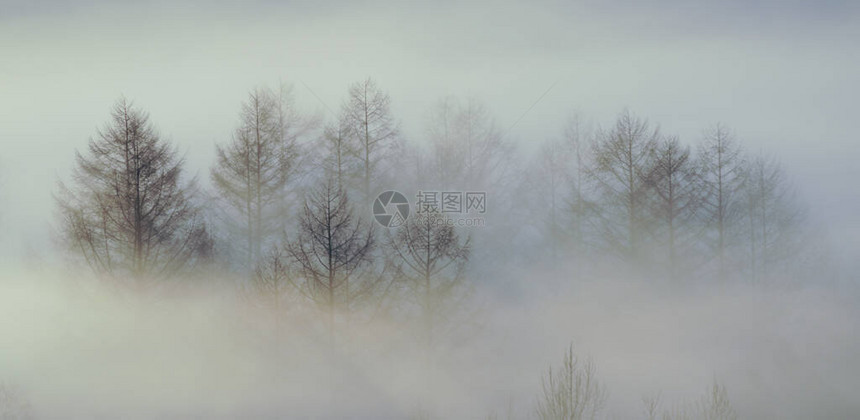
(391, 209)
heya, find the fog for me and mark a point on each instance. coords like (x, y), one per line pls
(82, 352)
(664, 303)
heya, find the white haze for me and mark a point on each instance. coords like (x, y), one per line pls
(77, 349)
(782, 75)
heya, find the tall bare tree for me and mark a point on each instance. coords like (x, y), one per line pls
(443, 166)
(721, 164)
(545, 187)
(468, 152)
(772, 214)
(571, 392)
(554, 186)
(271, 284)
(128, 212)
(338, 154)
(485, 151)
(676, 198)
(373, 131)
(578, 203)
(622, 160)
(253, 171)
(431, 259)
(330, 251)
(714, 405)
(467, 149)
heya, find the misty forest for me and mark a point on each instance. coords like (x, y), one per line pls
(609, 267)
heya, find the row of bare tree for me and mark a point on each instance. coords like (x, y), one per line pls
(280, 215)
(289, 208)
(574, 391)
(647, 199)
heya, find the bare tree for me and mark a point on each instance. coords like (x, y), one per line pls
(330, 252)
(431, 259)
(714, 405)
(339, 156)
(721, 165)
(444, 161)
(772, 216)
(620, 169)
(554, 190)
(651, 408)
(554, 186)
(128, 213)
(546, 187)
(372, 130)
(571, 392)
(468, 152)
(271, 284)
(486, 152)
(254, 170)
(675, 199)
(578, 203)
(467, 148)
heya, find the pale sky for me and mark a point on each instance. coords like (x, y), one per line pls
(784, 75)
